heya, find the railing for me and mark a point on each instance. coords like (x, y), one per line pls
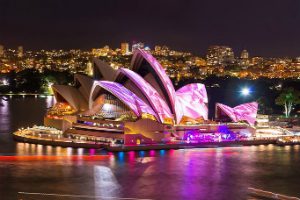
(262, 194)
(284, 130)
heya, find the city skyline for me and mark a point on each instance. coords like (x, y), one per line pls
(127, 48)
(219, 60)
(268, 30)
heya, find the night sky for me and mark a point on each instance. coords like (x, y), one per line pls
(263, 27)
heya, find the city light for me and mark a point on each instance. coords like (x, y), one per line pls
(4, 82)
(217, 60)
(49, 88)
(245, 91)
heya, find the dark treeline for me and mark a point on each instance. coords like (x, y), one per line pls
(32, 81)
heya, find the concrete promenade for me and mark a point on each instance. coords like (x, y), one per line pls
(66, 142)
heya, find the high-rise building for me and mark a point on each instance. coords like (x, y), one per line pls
(1, 50)
(296, 64)
(244, 61)
(244, 54)
(125, 48)
(219, 55)
(104, 51)
(157, 48)
(89, 69)
(165, 50)
(138, 45)
(257, 60)
(20, 51)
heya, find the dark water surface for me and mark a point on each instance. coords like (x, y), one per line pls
(223, 173)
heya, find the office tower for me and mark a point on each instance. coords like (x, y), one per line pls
(20, 51)
(219, 55)
(125, 48)
(244, 54)
(1, 50)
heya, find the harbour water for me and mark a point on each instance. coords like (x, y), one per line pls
(29, 171)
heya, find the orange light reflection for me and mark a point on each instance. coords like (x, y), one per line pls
(55, 158)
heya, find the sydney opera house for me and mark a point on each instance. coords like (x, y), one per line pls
(139, 105)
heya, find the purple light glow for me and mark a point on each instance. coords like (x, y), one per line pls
(137, 105)
(157, 103)
(159, 70)
(223, 133)
(244, 112)
(89, 123)
(226, 133)
(192, 98)
(195, 136)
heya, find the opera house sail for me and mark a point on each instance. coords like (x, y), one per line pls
(245, 112)
(135, 105)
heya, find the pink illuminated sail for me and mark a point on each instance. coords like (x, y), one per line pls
(157, 103)
(244, 112)
(137, 105)
(164, 79)
(192, 98)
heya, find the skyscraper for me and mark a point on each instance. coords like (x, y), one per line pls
(157, 48)
(244, 59)
(125, 48)
(1, 50)
(89, 69)
(244, 54)
(219, 55)
(20, 51)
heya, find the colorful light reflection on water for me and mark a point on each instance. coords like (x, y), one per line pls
(206, 173)
(223, 173)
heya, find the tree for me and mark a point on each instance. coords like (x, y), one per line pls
(263, 105)
(28, 80)
(288, 98)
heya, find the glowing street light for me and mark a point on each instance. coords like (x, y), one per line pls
(4, 82)
(49, 88)
(245, 91)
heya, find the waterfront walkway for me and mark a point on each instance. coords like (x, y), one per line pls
(53, 138)
(56, 138)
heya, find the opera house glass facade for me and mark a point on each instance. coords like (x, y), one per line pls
(140, 105)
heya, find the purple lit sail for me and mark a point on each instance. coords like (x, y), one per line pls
(157, 103)
(137, 105)
(159, 70)
(192, 98)
(247, 111)
(244, 112)
(189, 100)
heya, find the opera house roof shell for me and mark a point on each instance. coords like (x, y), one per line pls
(144, 88)
(243, 112)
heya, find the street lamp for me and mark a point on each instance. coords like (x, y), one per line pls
(245, 91)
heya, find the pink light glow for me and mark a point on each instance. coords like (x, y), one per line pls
(244, 112)
(137, 105)
(152, 152)
(158, 104)
(131, 156)
(163, 77)
(192, 98)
